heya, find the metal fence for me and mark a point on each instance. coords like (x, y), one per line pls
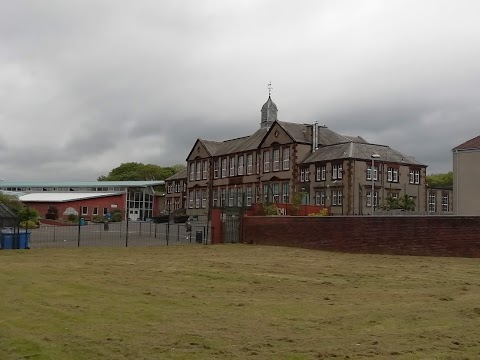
(398, 212)
(133, 233)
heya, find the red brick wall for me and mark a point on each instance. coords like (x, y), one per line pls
(401, 235)
(99, 203)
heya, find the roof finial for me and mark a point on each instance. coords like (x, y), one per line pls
(270, 88)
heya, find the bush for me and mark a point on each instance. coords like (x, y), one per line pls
(28, 214)
(272, 210)
(323, 212)
(72, 218)
(117, 215)
(30, 224)
(98, 218)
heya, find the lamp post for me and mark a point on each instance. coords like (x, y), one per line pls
(372, 173)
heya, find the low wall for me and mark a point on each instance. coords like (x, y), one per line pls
(400, 235)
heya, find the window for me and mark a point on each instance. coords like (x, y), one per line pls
(169, 188)
(337, 197)
(84, 210)
(286, 158)
(198, 193)
(199, 170)
(275, 192)
(249, 196)
(105, 211)
(232, 166)
(337, 172)
(369, 198)
(215, 198)
(169, 205)
(304, 175)
(266, 161)
(177, 187)
(276, 160)
(240, 197)
(375, 173)
(224, 167)
(205, 169)
(223, 197)
(412, 177)
(191, 195)
(258, 163)
(95, 211)
(249, 164)
(319, 198)
(286, 193)
(192, 171)
(392, 174)
(240, 165)
(431, 202)
(266, 193)
(417, 176)
(320, 173)
(204, 199)
(445, 202)
(257, 194)
(215, 168)
(231, 197)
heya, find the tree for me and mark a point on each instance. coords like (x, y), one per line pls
(403, 203)
(133, 171)
(440, 180)
(12, 202)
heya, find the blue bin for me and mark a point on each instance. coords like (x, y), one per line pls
(82, 221)
(23, 240)
(7, 241)
(15, 241)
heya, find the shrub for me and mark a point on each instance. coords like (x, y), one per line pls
(323, 212)
(72, 218)
(28, 214)
(30, 224)
(272, 210)
(117, 215)
(98, 218)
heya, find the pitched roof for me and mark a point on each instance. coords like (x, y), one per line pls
(362, 151)
(245, 143)
(6, 213)
(180, 175)
(470, 144)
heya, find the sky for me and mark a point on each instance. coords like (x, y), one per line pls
(86, 85)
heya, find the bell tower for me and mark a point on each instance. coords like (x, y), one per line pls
(269, 111)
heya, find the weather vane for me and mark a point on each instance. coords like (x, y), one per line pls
(270, 88)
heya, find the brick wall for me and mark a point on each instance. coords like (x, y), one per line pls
(401, 235)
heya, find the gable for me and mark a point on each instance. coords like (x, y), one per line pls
(276, 134)
(199, 151)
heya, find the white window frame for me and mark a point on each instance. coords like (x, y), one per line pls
(276, 159)
(215, 198)
(204, 199)
(412, 177)
(369, 198)
(249, 196)
(199, 170)
(249, 164)
(266, 161)
(417, 177)
(395, 177)
(232, 166)
(192, 171)
(191, 199)
(224, 167)
(231, 197)
(240, 197)
(223, 197)
(198, 195)
(286, 158)
(432, 202)
(445, 202)
(205, 169)
(286, 192)
(337, 171)
(240, 165)
(215, 168)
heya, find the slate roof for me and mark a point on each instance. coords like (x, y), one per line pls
(470, 144)
(361, 151)
(246, 143)
(180, 175)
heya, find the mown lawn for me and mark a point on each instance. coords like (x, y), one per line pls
(236, 302)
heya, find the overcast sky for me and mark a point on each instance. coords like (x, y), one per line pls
(86, 85)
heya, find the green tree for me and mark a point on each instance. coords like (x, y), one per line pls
(403, 203)
(12, 202)
(133, 171)
(440, 180)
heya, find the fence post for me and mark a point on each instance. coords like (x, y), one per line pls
(178, 232)
(140, 230)
(155, 229)
(168, 230)
(128, 216)
(54, 228)
(79, 225)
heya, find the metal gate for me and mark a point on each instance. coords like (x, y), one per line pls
(231, 219)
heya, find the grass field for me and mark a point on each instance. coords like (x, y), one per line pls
(235, 302)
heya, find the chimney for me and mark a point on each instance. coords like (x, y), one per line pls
(315, 137)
